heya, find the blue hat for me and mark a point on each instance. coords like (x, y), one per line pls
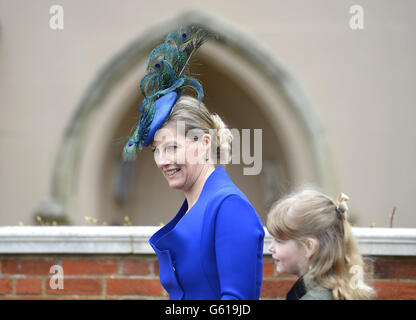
(164, 81)
(163, 106)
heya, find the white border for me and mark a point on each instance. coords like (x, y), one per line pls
(134, 240)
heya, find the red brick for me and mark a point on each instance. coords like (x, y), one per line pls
(276, 287)
(156, 268)
(368, 264)
(268, 268)
(29, 286)
(87, 298)
(77, 286)
(147, 287)
(131, 266)
(89, 266)
(30, 298)
(394, 290)
(285, 275)
(395, 269)
(6, 286)
(31, 266)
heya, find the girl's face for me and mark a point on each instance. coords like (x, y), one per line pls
(289, 256)
(180, 159)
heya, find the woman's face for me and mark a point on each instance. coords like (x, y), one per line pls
(180, 159)
(289, 256)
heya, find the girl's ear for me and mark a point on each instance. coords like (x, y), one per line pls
(311, 247)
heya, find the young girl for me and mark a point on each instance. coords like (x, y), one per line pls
(313, 240)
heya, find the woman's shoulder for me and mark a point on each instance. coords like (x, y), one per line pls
(224, 201)
(226, 193)
(220, 185)
(318, 293)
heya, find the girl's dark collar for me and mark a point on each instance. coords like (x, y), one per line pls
(297, 291)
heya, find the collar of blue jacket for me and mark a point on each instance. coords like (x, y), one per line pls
(215, 250)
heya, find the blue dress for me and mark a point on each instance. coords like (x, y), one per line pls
(215, 251)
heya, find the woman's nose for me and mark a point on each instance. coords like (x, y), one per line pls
(161, 162)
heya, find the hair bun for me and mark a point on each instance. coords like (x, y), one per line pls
(219, 124)
(342, 203)
(224, 139)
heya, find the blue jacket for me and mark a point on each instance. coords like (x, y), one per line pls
(215, 251)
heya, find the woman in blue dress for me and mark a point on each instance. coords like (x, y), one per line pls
(213, 247)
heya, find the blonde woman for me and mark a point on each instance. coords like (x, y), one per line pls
(213, 248)
(313, 240)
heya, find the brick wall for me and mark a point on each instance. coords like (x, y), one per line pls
(391, 277)
(136, 277)
(85, 277)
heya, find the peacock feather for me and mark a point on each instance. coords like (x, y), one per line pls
(167, 71)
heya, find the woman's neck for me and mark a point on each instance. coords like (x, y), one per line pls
(193, 193)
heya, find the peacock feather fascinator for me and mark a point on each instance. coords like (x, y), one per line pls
(167, 75)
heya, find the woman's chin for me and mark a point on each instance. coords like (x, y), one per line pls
(175, 184)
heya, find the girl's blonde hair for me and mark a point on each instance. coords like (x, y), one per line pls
(337, 264)
(197, 116)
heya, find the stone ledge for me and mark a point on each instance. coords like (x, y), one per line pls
(134, 240)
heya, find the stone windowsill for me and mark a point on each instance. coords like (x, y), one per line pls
(134, 240)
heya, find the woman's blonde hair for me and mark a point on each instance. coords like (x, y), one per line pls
(337, 264)
(197, 116)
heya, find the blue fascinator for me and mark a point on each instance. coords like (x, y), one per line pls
(167, 75)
